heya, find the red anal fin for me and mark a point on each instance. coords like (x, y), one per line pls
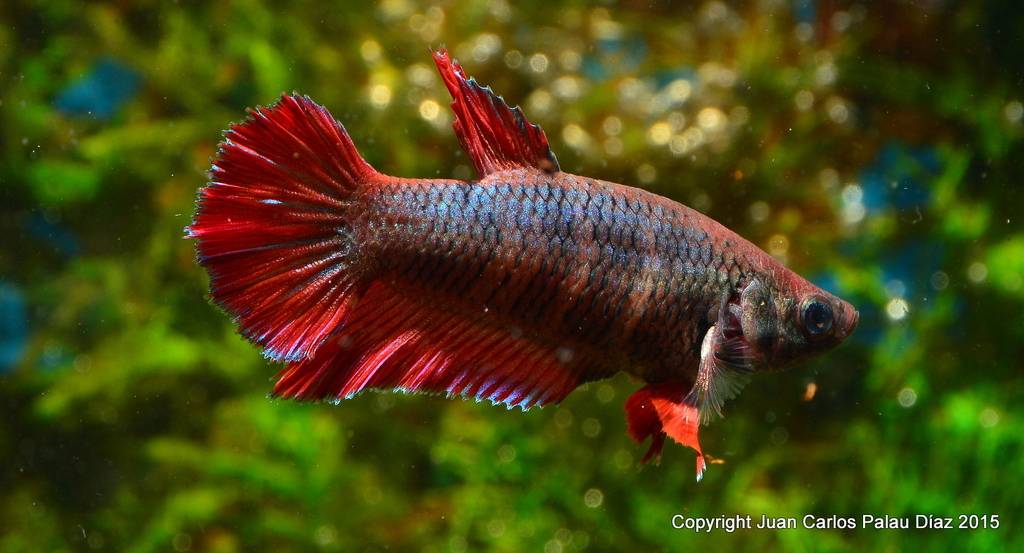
(272, 228)
(495, 136)
(659, 410)
(395, 343)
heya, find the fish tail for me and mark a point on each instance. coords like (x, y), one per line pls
(274, 226)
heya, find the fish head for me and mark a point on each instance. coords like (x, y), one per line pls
(792, 320)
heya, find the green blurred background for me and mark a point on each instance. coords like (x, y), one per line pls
(875, 147)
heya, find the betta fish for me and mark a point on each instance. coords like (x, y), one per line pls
(516, 287)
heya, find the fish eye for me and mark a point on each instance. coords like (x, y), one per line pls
(817, 317)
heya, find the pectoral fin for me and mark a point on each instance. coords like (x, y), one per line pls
(666, 409)
(725, 365)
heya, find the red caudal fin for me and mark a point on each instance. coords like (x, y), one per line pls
(271, 227)
(393, 342)
(495, 136)
(658, 410)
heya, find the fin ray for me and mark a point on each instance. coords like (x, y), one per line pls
(271, 226)
(494, 136)
(393, 342)
(660, 410)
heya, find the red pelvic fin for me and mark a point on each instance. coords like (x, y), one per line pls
(391, 342)
(658, 410)
(271, 226)
(495, 136)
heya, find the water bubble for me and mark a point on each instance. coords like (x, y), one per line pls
(837, 110)
(591, 427)
(897, 309)
(678, 91)
(485, 46)
(539, 63)
(575, 136)
(570, 60)
(1014, 111)
(593, 498)
(854, 213)
(677, 120)
(826, 73)
(500, 10)
(563, 418)
(623, 459)
(804, 32)
(907, 397)
(429, 110)
(853, 193)
(977, 272)
(82, 363)
(393, 9)
(659, 133)
(804, 100)
(370, 50)
(939, 280)
(759, 211)
(513, 59)
(646, 173)
(711, 119)
(692, 138)
(841, 21)
(496, 527)
(506, 453)
(380, 96)
(182, 542)
(612, 125)
(679, 145)
(605, 393)
(417, 21)
(778, 245)
(701, 202)
(419, 74)
(326, 535)
(567, 87)
(739, 115)
(540, 101)
(632, 89)
(613, 146)
(989, 417)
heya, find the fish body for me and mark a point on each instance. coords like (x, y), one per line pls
(621, 276)
(516, 287)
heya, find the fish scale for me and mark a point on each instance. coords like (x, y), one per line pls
(514, 288)
(439, 236)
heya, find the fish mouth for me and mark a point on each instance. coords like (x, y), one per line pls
(852, 318)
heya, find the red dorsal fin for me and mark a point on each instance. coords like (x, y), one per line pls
(495, 136)
(392, 342)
